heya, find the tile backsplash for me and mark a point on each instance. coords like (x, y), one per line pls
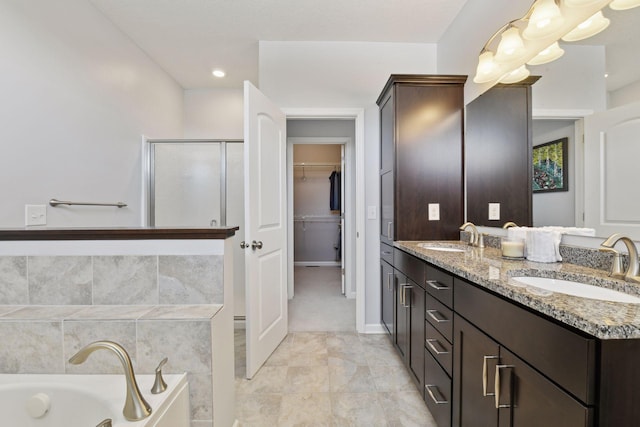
(111, 280)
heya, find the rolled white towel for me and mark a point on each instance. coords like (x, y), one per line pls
(576, 231)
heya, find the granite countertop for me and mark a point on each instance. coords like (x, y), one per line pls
(487, 268)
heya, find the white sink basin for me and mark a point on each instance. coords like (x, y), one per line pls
(442, 247)
(575, 288)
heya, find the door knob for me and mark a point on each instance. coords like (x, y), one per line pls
(243, 245)
(256, 245)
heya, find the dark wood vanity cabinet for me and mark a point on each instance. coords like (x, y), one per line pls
(387, 288)
(421, 131)
(550, 382)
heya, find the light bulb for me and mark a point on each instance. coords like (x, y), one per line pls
(487, 69)
(588, 28)
(218, 73)
(511, 46)
(549, 54)
(516, 75)
(545, 19)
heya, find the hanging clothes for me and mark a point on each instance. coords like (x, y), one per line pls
(335, 192)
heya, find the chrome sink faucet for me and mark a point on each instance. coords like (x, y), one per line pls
(135, 407)
(631, 275)
(476, 238)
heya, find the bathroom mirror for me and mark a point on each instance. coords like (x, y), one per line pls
(569, 90)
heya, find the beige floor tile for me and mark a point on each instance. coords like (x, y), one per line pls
(406, 409)
(305, 409)
(391, 378)
(269, 379)
(351, 378)
(357, 409)
(307, 379)
(258, 410)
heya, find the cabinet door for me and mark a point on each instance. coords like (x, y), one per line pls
(386, 290)
(402, 318)
(474, 364)
(387, 160)
(416, 328)
(386, 208)
(531, 400)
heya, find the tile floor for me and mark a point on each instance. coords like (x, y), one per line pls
(329, 379)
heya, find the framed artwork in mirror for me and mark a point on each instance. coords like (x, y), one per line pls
(550, 166)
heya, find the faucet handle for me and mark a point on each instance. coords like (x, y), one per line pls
(159, 385)
(105, 423)
(616, 265)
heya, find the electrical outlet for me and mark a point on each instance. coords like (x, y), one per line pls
(35, 215)
(434, 211)
(494, 211)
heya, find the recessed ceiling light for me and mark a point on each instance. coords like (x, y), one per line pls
(218, 73)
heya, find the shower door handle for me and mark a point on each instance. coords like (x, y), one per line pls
(256, 245)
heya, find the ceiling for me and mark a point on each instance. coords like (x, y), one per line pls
(189, 38)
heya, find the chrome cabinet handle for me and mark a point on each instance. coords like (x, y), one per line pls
(436, 400)
(484, 375)
(430, 343)
(389, 276)
(401, 290)
(497, 385)
(256, 245)
(389, 229)
(386, 253)
(437, 316)
(404, 291)
(436, 285)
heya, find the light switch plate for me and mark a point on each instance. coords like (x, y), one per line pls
(434, 211)
(372, 212)
(35, 215)
(494, 211)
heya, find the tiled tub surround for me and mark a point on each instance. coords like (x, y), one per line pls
(487, 268)
(170, 297)
(105, 280)
(41, 339)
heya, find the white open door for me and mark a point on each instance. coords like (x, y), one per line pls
(265, 226)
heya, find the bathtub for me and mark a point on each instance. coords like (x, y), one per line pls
(86, 400)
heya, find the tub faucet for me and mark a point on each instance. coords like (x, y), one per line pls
(476, 238)
(631, 275)
(135, 407)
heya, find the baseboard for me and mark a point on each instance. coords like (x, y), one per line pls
(239, 322)
(373, 328)
(317, 264)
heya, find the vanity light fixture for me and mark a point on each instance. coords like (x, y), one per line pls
(588, 28)
(624, 4)
(549, 54)
(218, 73)
(545, 19)
(533, 39)
(516, 75)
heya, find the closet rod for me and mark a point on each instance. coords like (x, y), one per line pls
(55, 202)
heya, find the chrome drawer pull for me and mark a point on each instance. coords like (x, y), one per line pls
(484, 375)
(497, 385)
(389, 276)
(437, 401)
(436, 285)
(406, 304)
(437, 316)
(435, 349)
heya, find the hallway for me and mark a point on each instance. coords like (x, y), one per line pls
(329, 379)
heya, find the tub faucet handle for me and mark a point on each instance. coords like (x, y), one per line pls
(159, 385)
(105, 423)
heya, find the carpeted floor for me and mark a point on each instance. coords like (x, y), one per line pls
(318, 303)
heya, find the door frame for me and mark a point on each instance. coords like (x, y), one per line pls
(348, 208)
(358, 260)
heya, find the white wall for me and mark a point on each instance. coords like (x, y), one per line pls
(213, 113)
(345, 75)
(626, 95)
(556, 208)
(77, 96)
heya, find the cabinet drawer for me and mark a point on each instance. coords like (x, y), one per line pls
(440, 285)
(564, 356)
(440, 316)
(437, 391)
(408, 264)
(386, 253)
(439, 347)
